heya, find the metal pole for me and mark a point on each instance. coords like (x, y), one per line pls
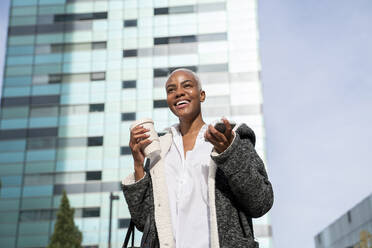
(112, 197)
(109, 234)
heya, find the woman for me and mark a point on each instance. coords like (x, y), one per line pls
(206, 186)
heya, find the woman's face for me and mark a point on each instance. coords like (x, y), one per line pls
(183, 95)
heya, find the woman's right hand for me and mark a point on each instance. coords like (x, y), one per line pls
(138, 141)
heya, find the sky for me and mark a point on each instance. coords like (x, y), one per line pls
(317, 86)
(316, 74)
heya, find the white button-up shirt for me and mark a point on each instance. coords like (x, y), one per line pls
(187, 181)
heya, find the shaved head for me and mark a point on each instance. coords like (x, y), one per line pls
(197, 80)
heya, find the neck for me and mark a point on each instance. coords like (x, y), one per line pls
(191, 126)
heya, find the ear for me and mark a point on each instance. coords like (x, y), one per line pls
(202, 96)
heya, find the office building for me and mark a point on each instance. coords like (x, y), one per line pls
(78, 72)
(352, 230)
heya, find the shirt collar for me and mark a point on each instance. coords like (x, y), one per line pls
(174, 129)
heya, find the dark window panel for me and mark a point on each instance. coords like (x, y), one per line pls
(128, 84)
(44, 100)
(190, 38)
(100, 15)
(163, 72)
(95, 76)
(15, 101)
(91, 212)
(99, 45)
(125, 150)
(50, 28)
(42, 132)
(161, 40)
(161, 11)
(111, 186)
(41, 143)
(187, 39)
(130, 53)
(35, 215)
(130, 23)
(97, 107)
(22, 30)
(95, 141)
(13, 134)
(349, 220)
(160, 104)
(123, 223)
(55, 78)
(69, 188)
(93, 175)
(128, 116)
(80, 17)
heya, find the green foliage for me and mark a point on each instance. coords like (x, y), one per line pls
(66, 234)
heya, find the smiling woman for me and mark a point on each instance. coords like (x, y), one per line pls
(201, 176)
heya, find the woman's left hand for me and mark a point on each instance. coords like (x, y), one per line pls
(220, 141)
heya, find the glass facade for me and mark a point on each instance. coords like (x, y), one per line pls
(78, 72)
(351, 230)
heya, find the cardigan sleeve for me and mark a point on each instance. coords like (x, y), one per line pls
(246, 174)
(137, 196)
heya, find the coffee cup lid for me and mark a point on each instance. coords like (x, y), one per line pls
(138, 122)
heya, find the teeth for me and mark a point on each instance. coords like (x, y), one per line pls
(181, 102)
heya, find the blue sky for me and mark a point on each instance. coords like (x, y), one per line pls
(316, 73)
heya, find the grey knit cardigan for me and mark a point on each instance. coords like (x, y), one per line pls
(238, 190)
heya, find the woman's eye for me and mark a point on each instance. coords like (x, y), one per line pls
(170, 90)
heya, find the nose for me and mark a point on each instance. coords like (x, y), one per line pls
(179, 92)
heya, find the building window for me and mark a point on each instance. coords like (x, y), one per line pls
(175, 39)
(175, 10)
(99, 45)
(130, 53)
(123, 223)
(35, 215)
(97, 107)
(95, 141)
(54, 78)
(93, 175)
(129, 84)
(80, 17)
(130, 23)
(161, 11)
(160, 104)
(164, 72)
(95, 76)
(125, 150)
(91, 212)
(349, 216)
(128, 116)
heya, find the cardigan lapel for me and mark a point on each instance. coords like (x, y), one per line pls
(161, 200)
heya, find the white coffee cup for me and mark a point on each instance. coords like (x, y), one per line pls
(153, 149)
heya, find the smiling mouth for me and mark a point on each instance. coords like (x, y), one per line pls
(181, 104)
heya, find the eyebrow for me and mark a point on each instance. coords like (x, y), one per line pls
(185, 81)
